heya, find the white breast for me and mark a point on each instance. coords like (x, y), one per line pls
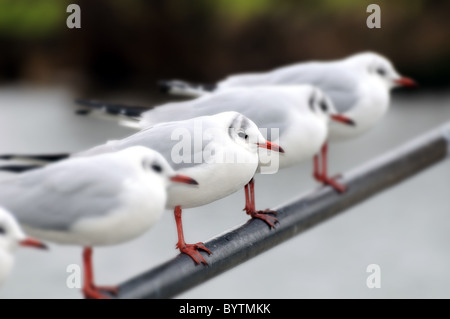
(369, 110)
(216, 180)
(302, 140)
(6, 264)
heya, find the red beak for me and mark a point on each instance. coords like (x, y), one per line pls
(408, 82)
(31, 242)
(271, 146)
(183, 179)
(343, 119)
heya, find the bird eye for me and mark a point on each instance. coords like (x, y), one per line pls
(157, 168)
(381, 71)
(243, 135)
(2, 230)
(324, 106)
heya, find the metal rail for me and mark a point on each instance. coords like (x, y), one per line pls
(254, 237)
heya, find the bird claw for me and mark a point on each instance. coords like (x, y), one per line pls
(192, 250)
(341, 188)
(268, 211)
(337, 176)
(264, 216)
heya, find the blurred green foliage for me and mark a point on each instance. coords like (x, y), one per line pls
(31, 19)
(238, 9)
(132, 42)
(41, 18)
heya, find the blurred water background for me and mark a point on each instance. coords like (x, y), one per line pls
(121, 51)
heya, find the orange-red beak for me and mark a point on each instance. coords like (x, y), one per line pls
(183, 179)
(343, 119)
(271, 146)
(405, 81)
(31, 242)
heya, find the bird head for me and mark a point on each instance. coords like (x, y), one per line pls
(382, 69)
(11, 235)
(322, 106)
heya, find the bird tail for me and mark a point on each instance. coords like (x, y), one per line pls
(25, 162)
(183, 88)
(45, 158)
(16, 168)
(126, 115)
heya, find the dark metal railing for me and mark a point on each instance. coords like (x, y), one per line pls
(254, 237)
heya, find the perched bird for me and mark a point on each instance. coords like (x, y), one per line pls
(92, 201)
(295, 116)
(300, 113)
(12, 236)
(358, 85)
(218, 151)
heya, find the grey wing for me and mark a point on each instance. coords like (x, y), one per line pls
(174, 140)
(177, 111)
(245, 80)
(56, 197)
(263, 106)
(343, 100)
(335, 80)
(265, 111)
(252, 103)
(108, 147)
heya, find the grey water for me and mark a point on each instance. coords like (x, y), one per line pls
(405, 229)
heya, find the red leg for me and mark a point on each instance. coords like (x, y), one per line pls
(325, 160)
(324, 176)
(317, 175)
(90, 290)
(250, 206)
(189, 249)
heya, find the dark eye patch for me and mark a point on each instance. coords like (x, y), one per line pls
(146, 164)
(381, 71)
(2, 230)
(243, 135)
(324, 106)
(157, 168)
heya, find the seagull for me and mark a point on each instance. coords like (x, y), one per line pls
(358, 85)
(92, 201)
(12, 236)
(298, 114)
(301, 113)
(187, 145)
(219, 151)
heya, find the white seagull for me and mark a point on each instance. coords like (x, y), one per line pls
(300, 113)
(12, 236)
(294, 116)
(358, 85)
(95, 201)
(220, 152)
